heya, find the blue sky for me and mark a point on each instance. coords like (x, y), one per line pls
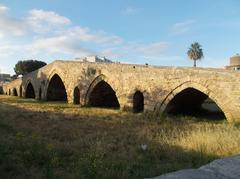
(154, 32)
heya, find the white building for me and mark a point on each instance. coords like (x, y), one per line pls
(4, 78)
(94, 59)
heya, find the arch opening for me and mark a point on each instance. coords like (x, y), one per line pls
(1, 90)
(103, 95)
(76, 96)
(15, 92)
(193, 102)
(9, 92)
(138, 102)
(40, 93)
(56, 90)
(20, 91)
(30, 93)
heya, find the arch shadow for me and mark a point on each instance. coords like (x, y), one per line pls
(40, 93)
(20, 91)
(56, 90)
(193, 99)
(15, 92)
(101, 94)
(76, 95)
(30, 92)
(138, 102)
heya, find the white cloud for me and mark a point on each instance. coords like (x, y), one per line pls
(48, 34)
(10, 26)
(6, 50)
(44, 21)
(73, 41)
(37, 20)
(113, 52)
(84, 34)
(3, 9)
(60, 44)
(130, 11)
(182, 27)
(4, 69)
(149, 49)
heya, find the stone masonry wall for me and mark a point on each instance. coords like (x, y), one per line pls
(158, 84)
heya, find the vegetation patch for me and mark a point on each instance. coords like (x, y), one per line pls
(58, 140)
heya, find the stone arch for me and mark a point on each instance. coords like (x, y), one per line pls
(15, 92)
(194, 87)
(56, 90)
(138, 102)
(101, 94)
(30, 92)
(76, 95)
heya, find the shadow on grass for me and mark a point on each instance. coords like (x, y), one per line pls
(201, 115)
(58, 145)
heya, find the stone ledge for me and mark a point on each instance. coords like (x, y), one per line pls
(226, 168)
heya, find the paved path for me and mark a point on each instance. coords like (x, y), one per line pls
(226, 168)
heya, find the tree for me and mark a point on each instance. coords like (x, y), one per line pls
(26, 66)
(195, 52)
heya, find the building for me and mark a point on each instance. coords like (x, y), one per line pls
(94, 59)
(4, 78)
(234, 63)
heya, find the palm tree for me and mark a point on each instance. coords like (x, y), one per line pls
(195, 52)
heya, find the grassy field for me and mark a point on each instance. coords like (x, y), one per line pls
(54, 140)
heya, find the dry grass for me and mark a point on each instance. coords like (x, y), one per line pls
(54, 140)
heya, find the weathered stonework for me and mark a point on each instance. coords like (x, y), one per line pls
(158, 84)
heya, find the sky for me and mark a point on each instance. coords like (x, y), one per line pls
(156, 32)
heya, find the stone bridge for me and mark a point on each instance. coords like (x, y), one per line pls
(135, 87)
